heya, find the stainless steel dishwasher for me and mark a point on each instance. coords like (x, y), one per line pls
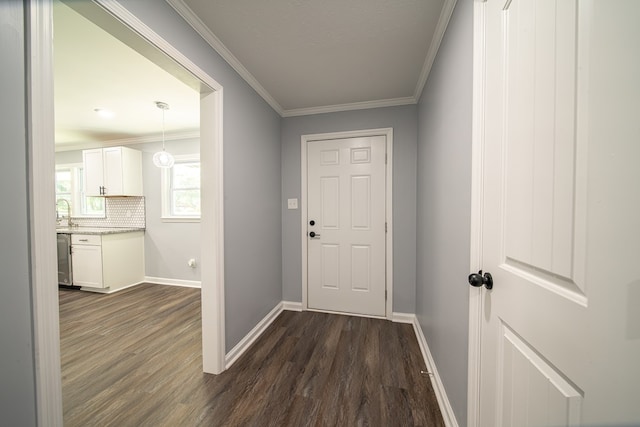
(65, 273)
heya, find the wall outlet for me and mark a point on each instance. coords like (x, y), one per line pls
(292, 204)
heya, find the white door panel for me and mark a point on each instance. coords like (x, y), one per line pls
(560, 179)
(346, 200)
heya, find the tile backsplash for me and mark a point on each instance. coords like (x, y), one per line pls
(121, 212)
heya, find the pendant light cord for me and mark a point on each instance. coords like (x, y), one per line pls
(162, 159)
(163, 129)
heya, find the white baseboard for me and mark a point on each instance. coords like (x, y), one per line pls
(441, 395)
(291, 306)
(252, 336)
(173, 282)
(403, 317)
(108, 290)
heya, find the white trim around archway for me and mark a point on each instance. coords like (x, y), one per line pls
(39, 34)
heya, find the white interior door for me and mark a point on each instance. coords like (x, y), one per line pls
(346, 225)
(560, 330)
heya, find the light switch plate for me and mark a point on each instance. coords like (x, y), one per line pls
(292, 203)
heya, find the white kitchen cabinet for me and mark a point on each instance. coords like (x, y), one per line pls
(112, 171)
(107, 262)
(86, 260)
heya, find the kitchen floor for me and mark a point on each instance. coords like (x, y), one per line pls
(133, 358)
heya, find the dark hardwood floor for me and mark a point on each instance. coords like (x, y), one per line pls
(133, 358)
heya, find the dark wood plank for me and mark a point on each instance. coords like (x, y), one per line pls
(133, 358)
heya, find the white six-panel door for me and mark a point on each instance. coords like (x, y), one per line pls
(560, 333)
(346, 225)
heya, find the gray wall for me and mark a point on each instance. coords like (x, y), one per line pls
(66, 157)
(253, 269)
(168, 245)
(256, 223)
(403, 121)
(444, 206)
(17, 381)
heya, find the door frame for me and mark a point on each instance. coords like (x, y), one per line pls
(477, 197)
(304, 140)
(41, 166)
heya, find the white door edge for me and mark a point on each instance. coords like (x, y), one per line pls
(475, 261)
(388, 133)
(42, 160)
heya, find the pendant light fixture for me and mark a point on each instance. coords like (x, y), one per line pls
(162, 159)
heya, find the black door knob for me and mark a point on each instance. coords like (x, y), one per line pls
(312, 222)
(312, 234)
(478, 279)
(475, 280)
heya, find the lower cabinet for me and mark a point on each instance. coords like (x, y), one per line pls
(107, 262)
(86, 260)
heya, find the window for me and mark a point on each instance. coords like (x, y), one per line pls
(70, 186)
(63, 190)
(181, 190)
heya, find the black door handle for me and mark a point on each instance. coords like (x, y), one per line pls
(477, 279)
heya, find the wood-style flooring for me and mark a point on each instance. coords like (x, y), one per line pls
(133, 358)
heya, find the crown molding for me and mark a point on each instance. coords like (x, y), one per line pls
(393, 102)
(196, 23)
(127, 141)
(438, 34)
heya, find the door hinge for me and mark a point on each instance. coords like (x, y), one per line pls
(385, 227)
(385, 294)
(385, 158)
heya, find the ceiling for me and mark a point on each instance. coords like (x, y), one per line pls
(301, 56)
(93, 69)
(313, 56)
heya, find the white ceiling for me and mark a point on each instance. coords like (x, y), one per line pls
(309, 56)
(301, 56)
(93, 69)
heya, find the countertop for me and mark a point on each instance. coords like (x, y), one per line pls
(96, 230)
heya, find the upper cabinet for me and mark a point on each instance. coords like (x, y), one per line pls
(113, 171)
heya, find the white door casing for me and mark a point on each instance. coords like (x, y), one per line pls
(557, 340)
(41, 167)
(358, 252)
(346, 203)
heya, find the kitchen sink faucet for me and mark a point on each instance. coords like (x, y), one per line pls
(68, 211)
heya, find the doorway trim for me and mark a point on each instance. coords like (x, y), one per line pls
(40, 134)
(388, 134)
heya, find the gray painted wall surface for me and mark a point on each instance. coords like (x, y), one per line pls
(256, 223)
(444, 205)
(168, 245)
(17, 380)
(68, 157)
(403, 121)
(253, 269)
